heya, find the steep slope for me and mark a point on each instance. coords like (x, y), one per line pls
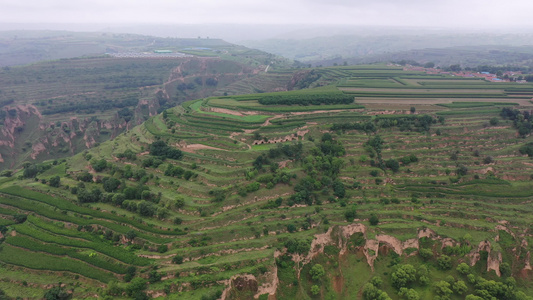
(58, 108)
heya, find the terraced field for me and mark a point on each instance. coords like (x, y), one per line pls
(288, 201)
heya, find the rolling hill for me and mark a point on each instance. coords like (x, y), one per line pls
(374, 183)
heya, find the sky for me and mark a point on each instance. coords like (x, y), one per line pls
(472, 14)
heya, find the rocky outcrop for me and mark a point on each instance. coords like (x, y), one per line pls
(240, 283)
(493, 263)
(371, 252)
(15, 122)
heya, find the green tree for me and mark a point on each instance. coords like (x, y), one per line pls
(130, 273)
(350, 214)
(461, 170)
(374, 220)
(444, 262)
(409, 294)
(425, 253)
(178, 259)
(460, 287)
(473, 297)
(403, 276)
(20, 218)
(99, 165)
(393, 164)
(376, 281)
(57, 293)
(130, 235)
(55, 181)
(110, 184)
(463, 268)
(317, 272)
(370, 292)
(443, 288)
(315, 290)
(505, 269)
(3, 295)
(136, 285)
(154, 276)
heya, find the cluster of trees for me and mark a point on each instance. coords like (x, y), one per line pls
(366, 126)
(307, 99)
(134, 289)
(131, 81)
(125, 114)
(527, 149)
(118, 193)
(32, 170)
(521, 120)
(128, 154)
(292, 151)
(300, 246)
(161, 149)
(322, 167)
(92, 106)
(277, 176)
(211, 81)
(404, 123)
(409, 159)
(373, 147)
(179, 172)
(145, 208)
(186, 86)
(151, 162)
(99, 164)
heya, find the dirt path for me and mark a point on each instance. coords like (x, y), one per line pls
(192, 148)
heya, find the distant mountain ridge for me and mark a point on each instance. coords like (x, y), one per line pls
(362, 46)
(20, 47)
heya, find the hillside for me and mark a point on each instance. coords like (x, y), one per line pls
(22, 47)
(466, 56)
(58, 108)
(470, 50)
(418, 189)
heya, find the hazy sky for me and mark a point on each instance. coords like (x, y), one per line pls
(427, 13)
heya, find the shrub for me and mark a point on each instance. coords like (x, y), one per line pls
(160, 148)
(461, 170)
(463, 268)
(178, 259)
(162, 248)
(403, 276)
(315, 290)
(425, 253)
(350, 214)
(99, 165)
(85, 177)
(444, 262)
(54, 181)
(20, 218)
(317, 272)
(393, 165)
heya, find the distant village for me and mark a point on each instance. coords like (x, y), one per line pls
(507, 76)
(154, 54)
